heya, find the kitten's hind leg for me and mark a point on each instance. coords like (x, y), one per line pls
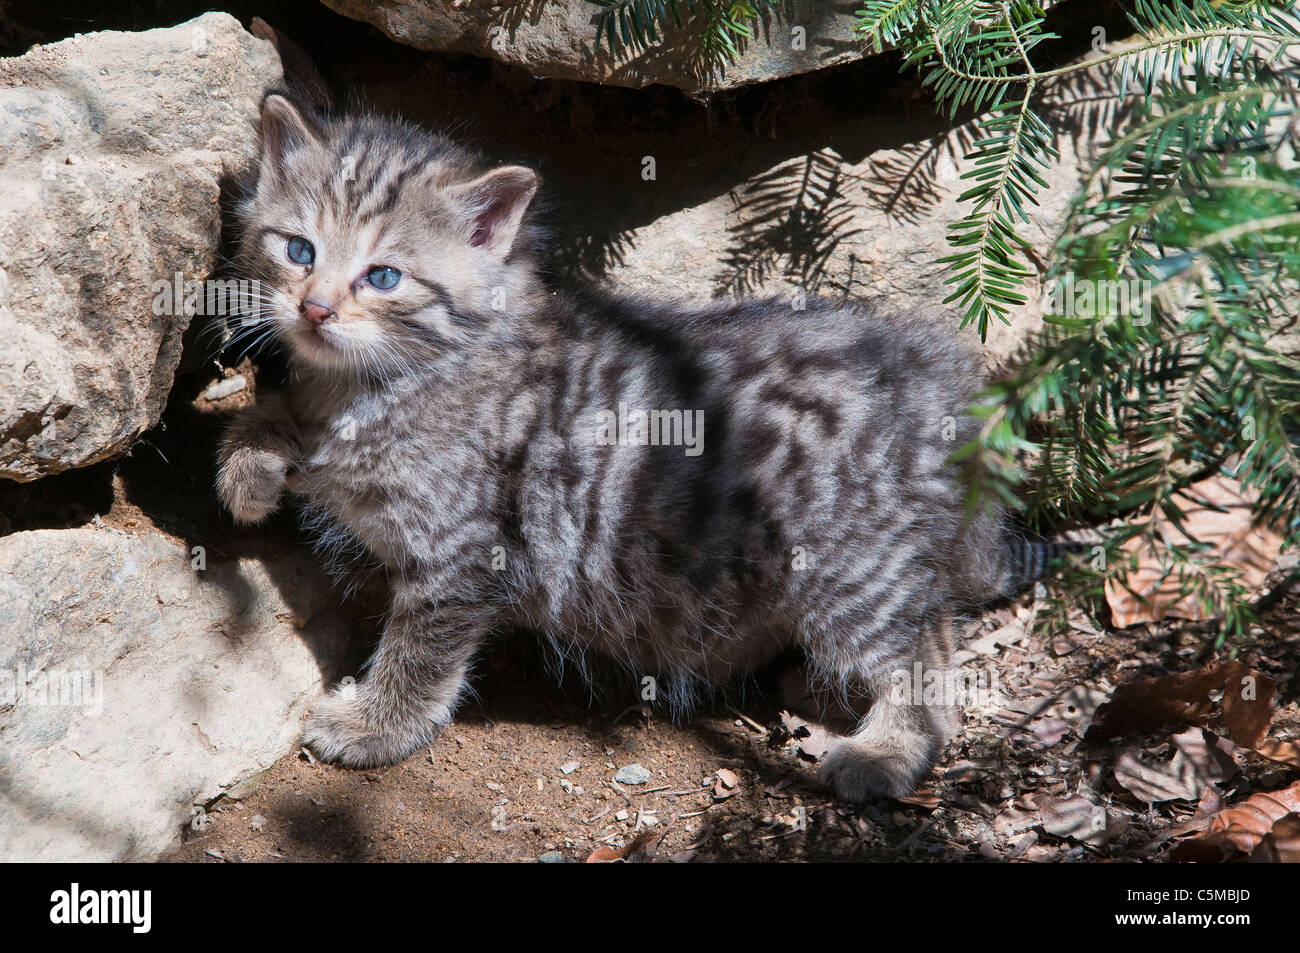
(411, 685)
(902, 735)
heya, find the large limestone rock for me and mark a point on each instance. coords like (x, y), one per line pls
(558, 40)
(136, 684)
(827, 224)
(115, 146)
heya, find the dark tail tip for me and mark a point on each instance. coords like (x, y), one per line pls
(1031, 560)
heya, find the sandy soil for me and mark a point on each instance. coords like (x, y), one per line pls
(494, 786)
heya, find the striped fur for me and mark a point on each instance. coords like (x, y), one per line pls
(452, 431)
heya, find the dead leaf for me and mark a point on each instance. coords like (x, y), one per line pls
(726, 784)
(1247, 704)
(1215, 758)
(1148, 704)
(1239, 831)
(1022, 844)
(778, 790)
(1010, 634)
(1233, 539)
(813, 740)
(640, 850)
(926, 799)
(1015, 821)
(1211, 802)
(1281, 845)
(1079, 704)
(1152, 783)
(1075, 817)
(1044, 732)
(1200, 759)
(1063, 645)
(1282, 752)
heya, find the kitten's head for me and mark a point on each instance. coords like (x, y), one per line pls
(379, 246)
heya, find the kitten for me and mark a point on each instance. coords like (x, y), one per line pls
(687, 490)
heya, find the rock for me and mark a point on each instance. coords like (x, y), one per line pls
(558, 40)
(116, 145)
(632, 774)
(569, 767)
(224, 388)
(193, 680)
(551, 857)
(737, 244)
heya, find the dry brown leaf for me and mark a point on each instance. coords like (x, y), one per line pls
(1012, 633)
(641, 849)
(1281, 845)
(1200, 758)
(1076, 817)
(1239, 831)
(725, 784)
(1148, 704)
(1211, 802)
(813, 740)
(1044, 733)
(1079, 704)
(1214, 758)
(1152, 783)
(926, 799)
(1282, 752)
(1253, 550)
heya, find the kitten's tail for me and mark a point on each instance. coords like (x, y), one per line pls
(1029, 560)
(999, 560)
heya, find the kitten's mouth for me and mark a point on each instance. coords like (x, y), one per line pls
(311, 336)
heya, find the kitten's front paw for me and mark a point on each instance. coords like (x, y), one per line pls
(341, 730)
(860, 772)
(250, 483)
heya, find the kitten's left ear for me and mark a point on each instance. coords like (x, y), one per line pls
(497, 202)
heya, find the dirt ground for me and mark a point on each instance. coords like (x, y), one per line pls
(527, 773)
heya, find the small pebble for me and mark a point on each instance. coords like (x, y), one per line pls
(551, 857)
(632, 774)
(569, 767)
(224, 388)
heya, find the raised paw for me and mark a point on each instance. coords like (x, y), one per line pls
(250, 483)
(341, 730)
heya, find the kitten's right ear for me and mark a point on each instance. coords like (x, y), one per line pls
(285, 130)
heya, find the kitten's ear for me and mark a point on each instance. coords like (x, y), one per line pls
(497, 202)
(285, 130)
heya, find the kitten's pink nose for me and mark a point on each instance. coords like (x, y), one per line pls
(315, 312)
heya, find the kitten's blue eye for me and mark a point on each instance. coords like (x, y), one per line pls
(300, 251)
(383, 277)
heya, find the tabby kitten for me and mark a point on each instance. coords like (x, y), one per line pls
(687, 490)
